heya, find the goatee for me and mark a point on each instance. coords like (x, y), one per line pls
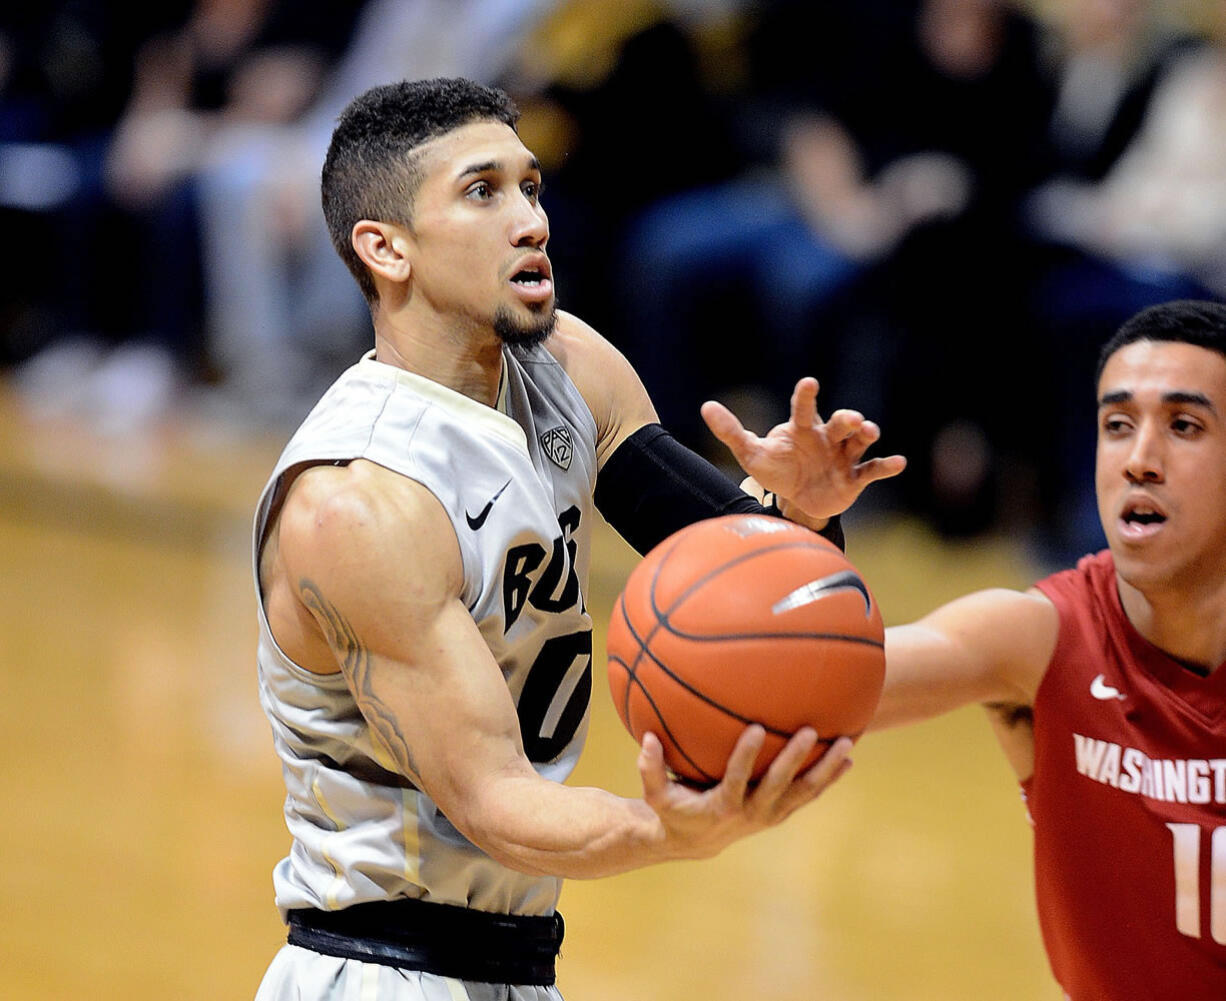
(511, 330)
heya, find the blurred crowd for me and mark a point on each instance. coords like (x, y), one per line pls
(938, 207)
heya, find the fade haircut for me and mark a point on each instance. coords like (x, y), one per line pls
(1189, 321)
(372, 170)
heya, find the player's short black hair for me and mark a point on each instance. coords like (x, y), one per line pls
(1190, 321)
(370, 171)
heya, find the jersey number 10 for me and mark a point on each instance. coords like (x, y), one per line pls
(1187, 881)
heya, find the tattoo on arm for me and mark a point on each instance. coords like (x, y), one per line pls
(357, 666)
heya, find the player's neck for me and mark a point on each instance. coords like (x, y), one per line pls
(1188, 624)
(465, 361)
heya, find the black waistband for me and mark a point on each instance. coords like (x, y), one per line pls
(436, 938)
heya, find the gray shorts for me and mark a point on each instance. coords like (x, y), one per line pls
(298, 974)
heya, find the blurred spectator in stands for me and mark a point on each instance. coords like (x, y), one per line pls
(892, 143)
(967, 85)
(1156, 212)
(1135, 213)
(282, 312)
(223, 61)
(1105, 58)
(806, 216)
(65, 76)
(626, 101)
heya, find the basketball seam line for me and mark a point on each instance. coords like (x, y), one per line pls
(662, 621)
(715, 572)
(699, 638)
(633, 679)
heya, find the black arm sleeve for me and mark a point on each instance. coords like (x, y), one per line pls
(653, 485)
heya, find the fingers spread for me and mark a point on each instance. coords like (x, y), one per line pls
(829, 768)
(844, 424)
(723, 423)
(741, 762)
(830, 765)
(804, 403)
(784, 768)
(867, 433)
(651, 768)
(861, 440)
(872, 470)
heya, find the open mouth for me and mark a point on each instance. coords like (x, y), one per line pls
(529, 277)
(533, 282)
(1140, 519)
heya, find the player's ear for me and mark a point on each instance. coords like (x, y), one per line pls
(382, 247)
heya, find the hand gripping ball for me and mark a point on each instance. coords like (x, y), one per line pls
(737, 620)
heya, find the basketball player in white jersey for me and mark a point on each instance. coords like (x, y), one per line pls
(421, 557)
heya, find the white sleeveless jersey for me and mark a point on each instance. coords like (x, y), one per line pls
(518, 487)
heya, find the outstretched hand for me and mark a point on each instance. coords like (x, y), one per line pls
(817, 465)
(699, 824)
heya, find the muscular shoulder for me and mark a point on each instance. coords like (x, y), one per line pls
(364, 529)
(574, 341)
(605, 379)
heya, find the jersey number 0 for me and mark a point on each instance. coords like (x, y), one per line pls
(556, 694)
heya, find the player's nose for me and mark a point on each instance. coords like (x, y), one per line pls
(1144, 460)
(530, 225)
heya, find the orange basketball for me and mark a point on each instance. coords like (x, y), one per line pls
(737, 620)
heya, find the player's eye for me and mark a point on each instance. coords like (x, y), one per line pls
(1114, 425)
(479, 190)
(532, 190)
(1184, 426)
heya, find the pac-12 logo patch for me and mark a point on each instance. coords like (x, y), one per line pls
(558, 446)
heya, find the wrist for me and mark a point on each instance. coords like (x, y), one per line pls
(828, 528)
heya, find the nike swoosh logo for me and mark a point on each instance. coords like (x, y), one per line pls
(844, 580)
(1101, 690)
(477, 522)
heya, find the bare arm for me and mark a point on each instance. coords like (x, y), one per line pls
(373, 558)
(608, 383)
(817, 468)
(991, 648)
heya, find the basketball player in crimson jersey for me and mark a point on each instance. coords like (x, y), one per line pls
(1106, 684)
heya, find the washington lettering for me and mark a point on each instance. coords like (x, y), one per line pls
(1179, 780)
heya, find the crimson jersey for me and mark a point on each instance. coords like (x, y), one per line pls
(1128, 800)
